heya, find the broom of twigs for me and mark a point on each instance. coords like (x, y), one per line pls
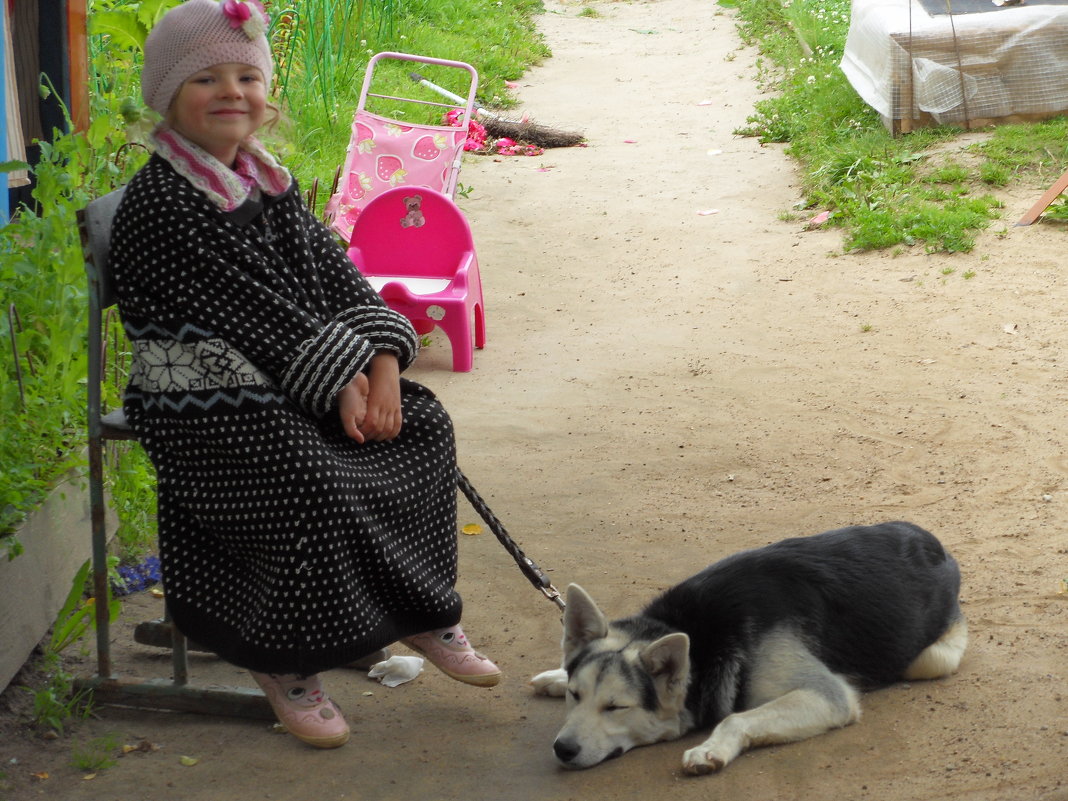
(525, 131)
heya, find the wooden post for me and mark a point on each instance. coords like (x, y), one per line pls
(78, 61)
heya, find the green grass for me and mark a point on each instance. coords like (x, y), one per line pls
(883, 191)
(499, 39)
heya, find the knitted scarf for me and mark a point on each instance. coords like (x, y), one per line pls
(227, 188)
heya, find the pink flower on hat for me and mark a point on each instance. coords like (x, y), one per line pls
(248, 15)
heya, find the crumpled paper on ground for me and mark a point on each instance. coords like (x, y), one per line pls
(396, 670)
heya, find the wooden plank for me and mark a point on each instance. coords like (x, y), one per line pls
(163, 694)
(1043, 203)
(34, 585)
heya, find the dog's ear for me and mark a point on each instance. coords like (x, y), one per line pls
(668, 661)
(583, 621)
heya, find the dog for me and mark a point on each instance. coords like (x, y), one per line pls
(768, 646)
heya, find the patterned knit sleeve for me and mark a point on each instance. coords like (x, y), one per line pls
(324, 365)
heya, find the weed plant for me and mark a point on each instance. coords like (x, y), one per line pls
(881, 190)
(98, 754)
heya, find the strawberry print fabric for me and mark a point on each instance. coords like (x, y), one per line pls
(384, 153)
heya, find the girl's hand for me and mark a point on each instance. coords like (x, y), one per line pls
(382, 420)
(352, 405)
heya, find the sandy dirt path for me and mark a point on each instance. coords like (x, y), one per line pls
(663, 387)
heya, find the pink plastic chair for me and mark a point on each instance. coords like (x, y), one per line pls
(415, 247)
(385, 152)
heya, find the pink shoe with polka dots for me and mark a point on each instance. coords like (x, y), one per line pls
(449, 651)
(304, 709)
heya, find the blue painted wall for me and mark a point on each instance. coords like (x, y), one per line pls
(5, 212)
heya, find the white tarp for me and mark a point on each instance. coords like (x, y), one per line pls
(960, 69)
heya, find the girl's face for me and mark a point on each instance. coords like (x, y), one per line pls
(219, 107)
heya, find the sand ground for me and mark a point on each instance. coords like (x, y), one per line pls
(661, 388)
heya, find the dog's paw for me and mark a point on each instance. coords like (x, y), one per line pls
(551, 682)
(701, 760)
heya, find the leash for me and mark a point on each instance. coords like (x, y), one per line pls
(533, 573)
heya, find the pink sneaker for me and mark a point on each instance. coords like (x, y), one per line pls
(304, 709)
(449, 651)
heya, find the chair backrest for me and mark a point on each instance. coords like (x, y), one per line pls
(94, 222)
(413, 232)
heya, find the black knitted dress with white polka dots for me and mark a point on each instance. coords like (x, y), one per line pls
(287, 547)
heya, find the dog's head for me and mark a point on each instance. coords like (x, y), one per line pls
(623, 690)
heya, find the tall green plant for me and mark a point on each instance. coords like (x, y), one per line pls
(42, 284)
(313, 41)
(43, 287)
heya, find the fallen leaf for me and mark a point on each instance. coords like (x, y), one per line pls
(144, 745)
(88, 776)
(818, 220)
(41, 776)
(188, 761)
(156, 592)
(471, 529)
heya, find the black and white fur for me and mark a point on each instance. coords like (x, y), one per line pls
(766, 646)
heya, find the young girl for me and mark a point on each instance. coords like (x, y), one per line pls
(307, 492)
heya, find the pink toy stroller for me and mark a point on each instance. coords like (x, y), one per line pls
(386, 152)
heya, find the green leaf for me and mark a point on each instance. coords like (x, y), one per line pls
(150, 11)
(124, 28)
(75, 615)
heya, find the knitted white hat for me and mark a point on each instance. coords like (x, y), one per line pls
(199, 34)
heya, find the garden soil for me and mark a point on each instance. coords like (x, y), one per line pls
(675, 370)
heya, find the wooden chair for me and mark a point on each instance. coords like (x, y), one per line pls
(176, 693)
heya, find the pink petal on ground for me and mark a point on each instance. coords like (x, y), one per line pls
(706, 212)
